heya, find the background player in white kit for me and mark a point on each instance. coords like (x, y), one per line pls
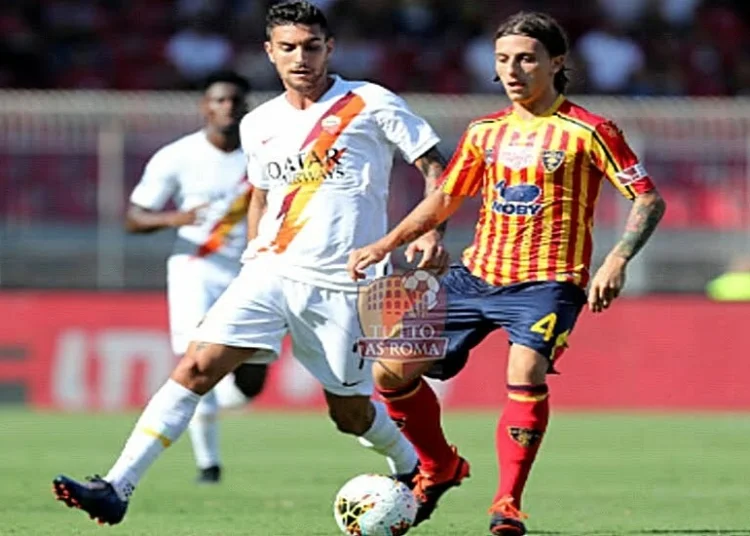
(205, 175)
(320, 157)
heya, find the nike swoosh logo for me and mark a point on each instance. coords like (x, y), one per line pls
(351, 384)
(263, 142)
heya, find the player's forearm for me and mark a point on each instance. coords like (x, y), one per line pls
(431, 165)
(138, 220)
(428, 215)
(643, 219)
(253, 223)
(255, 211)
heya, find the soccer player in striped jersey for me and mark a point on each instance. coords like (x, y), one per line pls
(204, 174)
(538, 165)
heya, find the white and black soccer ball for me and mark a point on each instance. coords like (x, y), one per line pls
(374, 505)
(423, 284)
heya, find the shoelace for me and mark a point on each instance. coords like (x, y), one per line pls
(505, 508)
(423, 481)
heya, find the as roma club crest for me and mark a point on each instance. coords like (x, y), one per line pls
(402, 317)
(551, 160)
(331, 124)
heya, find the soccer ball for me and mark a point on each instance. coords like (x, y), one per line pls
(424, 287)
(374, 505)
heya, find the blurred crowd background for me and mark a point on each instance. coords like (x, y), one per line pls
(625, 47)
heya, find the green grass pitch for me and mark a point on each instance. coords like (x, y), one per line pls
(597, 475)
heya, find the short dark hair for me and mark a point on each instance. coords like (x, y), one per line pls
(229, 77)
(544, 29)
(296, 12)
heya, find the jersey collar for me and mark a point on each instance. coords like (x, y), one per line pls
(333, 90)
(547, 113)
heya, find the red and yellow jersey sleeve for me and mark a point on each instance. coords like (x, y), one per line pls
(464, 174)
(611, 154)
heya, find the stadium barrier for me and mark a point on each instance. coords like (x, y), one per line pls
(83, 351)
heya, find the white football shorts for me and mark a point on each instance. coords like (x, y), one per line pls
(193, 285)
(260, 308)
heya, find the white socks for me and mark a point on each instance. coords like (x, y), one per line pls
(170, 411)
(385, 438)
(228, 394)
(204, 432)
(165, 418)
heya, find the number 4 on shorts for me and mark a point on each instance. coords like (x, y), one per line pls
(545, 326)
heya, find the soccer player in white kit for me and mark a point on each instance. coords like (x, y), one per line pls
(319, 157)
(205, 175)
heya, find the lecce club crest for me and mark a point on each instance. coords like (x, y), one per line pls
(526, 437)
(551, 160)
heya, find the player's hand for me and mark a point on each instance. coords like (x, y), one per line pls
(434, 256)
(361, 259)
(607, 283)
(194, 216)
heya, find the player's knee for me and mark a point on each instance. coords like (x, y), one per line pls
(526, 366)
(197, 371)
(394, 375)
(250, 379)
(355, 418)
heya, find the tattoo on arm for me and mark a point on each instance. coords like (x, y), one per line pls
(642, 221)
(431, 164)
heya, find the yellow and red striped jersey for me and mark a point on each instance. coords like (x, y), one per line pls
(540, 181)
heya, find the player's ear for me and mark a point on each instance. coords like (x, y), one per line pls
(330, 45)
(558, 63)
(268, 46)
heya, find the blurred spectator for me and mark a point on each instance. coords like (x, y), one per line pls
(479, 60)
(198, 49)
(611, 57)
(678, 13)
(21, 49)
(191, 9)
(631, 47)
(624, 13)
(252, 61)
(415, 18)
(355, 55)
(741, 81)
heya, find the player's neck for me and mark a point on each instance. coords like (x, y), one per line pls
(224, 142)
(303, 101)
(528, 111)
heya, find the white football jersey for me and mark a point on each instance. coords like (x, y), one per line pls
(193, 172)
(327, 172)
